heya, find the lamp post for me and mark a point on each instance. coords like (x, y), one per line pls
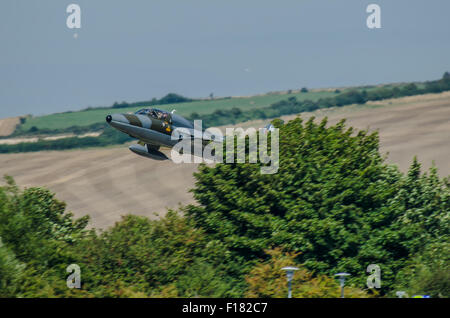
(400, 294)
(290, 274)
(342, 277)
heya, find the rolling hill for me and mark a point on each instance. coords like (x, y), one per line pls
(109, 182)
(97, 115)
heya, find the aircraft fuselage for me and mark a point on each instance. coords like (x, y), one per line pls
(153, 127)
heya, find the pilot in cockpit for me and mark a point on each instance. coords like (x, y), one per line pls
(155, 113)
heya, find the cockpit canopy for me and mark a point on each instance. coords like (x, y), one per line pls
(163, 115)
(155, 113)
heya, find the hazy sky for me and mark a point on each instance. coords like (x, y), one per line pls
(137, 50)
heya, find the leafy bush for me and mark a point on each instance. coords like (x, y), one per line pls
(153, 256)
(267, 279)
(428, 273)
(333, 204)
(10, 272)
(333, 200)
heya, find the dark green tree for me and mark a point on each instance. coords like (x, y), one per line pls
(333, 199)
(11, 271)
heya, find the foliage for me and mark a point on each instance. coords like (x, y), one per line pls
(177, 256)
(333, 206)
(10, 272)
(333, 200)
(298, 103)
(33, 223)
(137, 257)
(152, 256)
(267, 279)
(428, 273)
(39, 234)
(62, 122)
(170, 98)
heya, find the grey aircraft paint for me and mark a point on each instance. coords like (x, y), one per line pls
(153, 127)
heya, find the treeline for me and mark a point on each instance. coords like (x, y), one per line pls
(77, 130)
(294, 106)
(234, 115)
(334, 206)
(170, 98)
(108, 137)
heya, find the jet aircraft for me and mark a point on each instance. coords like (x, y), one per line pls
(153, 127)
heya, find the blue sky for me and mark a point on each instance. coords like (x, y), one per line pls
(140, 49)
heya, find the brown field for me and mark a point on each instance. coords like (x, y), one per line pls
(411, 126)
(109, 182)
(104, 183)
(7, 125)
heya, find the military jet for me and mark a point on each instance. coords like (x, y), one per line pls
(153, 127)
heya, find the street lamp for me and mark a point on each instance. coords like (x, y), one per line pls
(342, 277)
(290, 274)
(400, 294)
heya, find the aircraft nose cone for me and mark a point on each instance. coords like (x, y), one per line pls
(114, 119)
